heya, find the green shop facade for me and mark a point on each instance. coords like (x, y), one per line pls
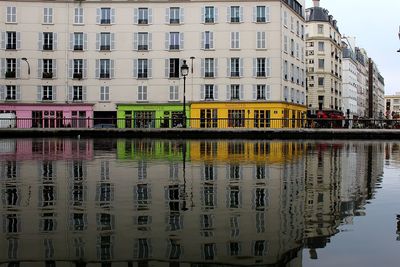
(150, 115)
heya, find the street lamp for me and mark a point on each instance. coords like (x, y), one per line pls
(29, 67)
(184, 73)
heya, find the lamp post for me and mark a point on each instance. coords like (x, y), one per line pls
(184, 73)
(29, 67)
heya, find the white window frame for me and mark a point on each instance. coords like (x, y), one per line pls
(104, 93)
(207, 41)
(78, 15)
(261, 40)
(235, 40)
(209, 92)
(11, 14)
(209, 14)
(48, 15)
(142, 92)
(173, 93)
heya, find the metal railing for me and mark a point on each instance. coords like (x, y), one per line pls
(198, 123)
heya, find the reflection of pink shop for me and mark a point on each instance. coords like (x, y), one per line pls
(51, 115)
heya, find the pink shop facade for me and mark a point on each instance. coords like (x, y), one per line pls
(51, 115)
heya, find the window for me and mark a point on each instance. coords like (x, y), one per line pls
(11, 40)
(48, 41)
(11, 68)
(321, 63)
(209, 92)
(209, 67)
(285, 18)
(48, 15)
(173, 93)
(261, 120)
(47, 93)
(174, 40)
(234, 197)
(261, 40)
(143, 41)
(142, 68)
(143, 17)
(174, 15)
(320, 29)
(78, 69)
(260, 68)
(261, 14)
(78, 41)
(234, 14)
(48, 69)
(207, 40)
(285, 43)
(11, 14)
(142, 93)
(321, 46)
(321, 81)
(209, 14)
(105, 69)
(235, 67)
(235, 40)
(77, 93)
(259, 248)
(105, 15)
(260, 93)
(235, 92)
(12, 92)
(78, 15)
(105, 40)
(174, 68)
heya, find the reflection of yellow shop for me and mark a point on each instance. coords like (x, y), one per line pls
(246, 115)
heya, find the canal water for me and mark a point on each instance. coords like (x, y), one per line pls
(131, 202)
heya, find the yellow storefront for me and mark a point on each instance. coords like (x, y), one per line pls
(247, 115)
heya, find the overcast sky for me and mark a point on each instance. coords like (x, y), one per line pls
(375, 24)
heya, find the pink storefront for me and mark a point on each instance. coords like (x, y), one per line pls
(77, 115)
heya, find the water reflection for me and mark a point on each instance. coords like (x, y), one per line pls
(197, 203)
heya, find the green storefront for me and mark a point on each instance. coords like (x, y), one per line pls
(150, 115)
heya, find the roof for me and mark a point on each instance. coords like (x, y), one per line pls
(317, 13)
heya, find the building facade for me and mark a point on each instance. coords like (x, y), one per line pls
(110, 59)
(392, 106)
(350, 80)
(324, 61)
(376, 92)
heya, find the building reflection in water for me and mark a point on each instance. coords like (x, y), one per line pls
(175, 203)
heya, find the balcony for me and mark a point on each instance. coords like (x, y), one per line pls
(78, 47)
(174, 75)
(209, 98)
(105, 48)
(77, 75)
(235, 19)
(10, 74)
(261, 74)
(47, 75)
(174, 21)
(261, 19)
(143, 21)
(105, 21)
(46, 98)
(209, 74)
(174, 47)
(235, 74)
(77, 99)
(207, 46)
(209, 20)
(11, 98)
(104, 75)
(143, 47)
(11, 46)
(47, 47)
(142, 75)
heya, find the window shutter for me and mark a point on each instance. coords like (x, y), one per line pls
(135, 41)
(203, 38)
(2, 93)
(149, 68)
(254, 14)
(241, 67)
(167, 68)
(241, 14)
(228, 14)
(85, 66)
(97, 68)
(70, 93)
(39, 93)
(182, 41)
(84, 93)
(202, 93)
(98, 14)
(228, 92)
(181, 15)
(18, 92)
(112, 74)
(203, 14)
(254, 92)
(203, 67)
(135, 16)
(98, 41)
(71, 41)
(135, 63)
(150, 40)
(54, 70)
(167, 40)
(55, 41)
(85, 41)
(232, 39)
(112, 15)
(241, 91)
(216, 92)
(3, 68)
(70, 68)
(150, 16)
(211, 40)
(167, 15)
(216, 14)
(267, 16)
(112, 37)
(268, 92)
(54, 93)
(268, 67)
(18, 68)
(18, 40)
(228, 67)
(254, 67)
(40, 42)
(3, 40)
(40, 68)
(216, 67)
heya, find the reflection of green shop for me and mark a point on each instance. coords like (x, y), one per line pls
(150, 115)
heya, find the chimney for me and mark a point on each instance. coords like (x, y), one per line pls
(316, 3)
